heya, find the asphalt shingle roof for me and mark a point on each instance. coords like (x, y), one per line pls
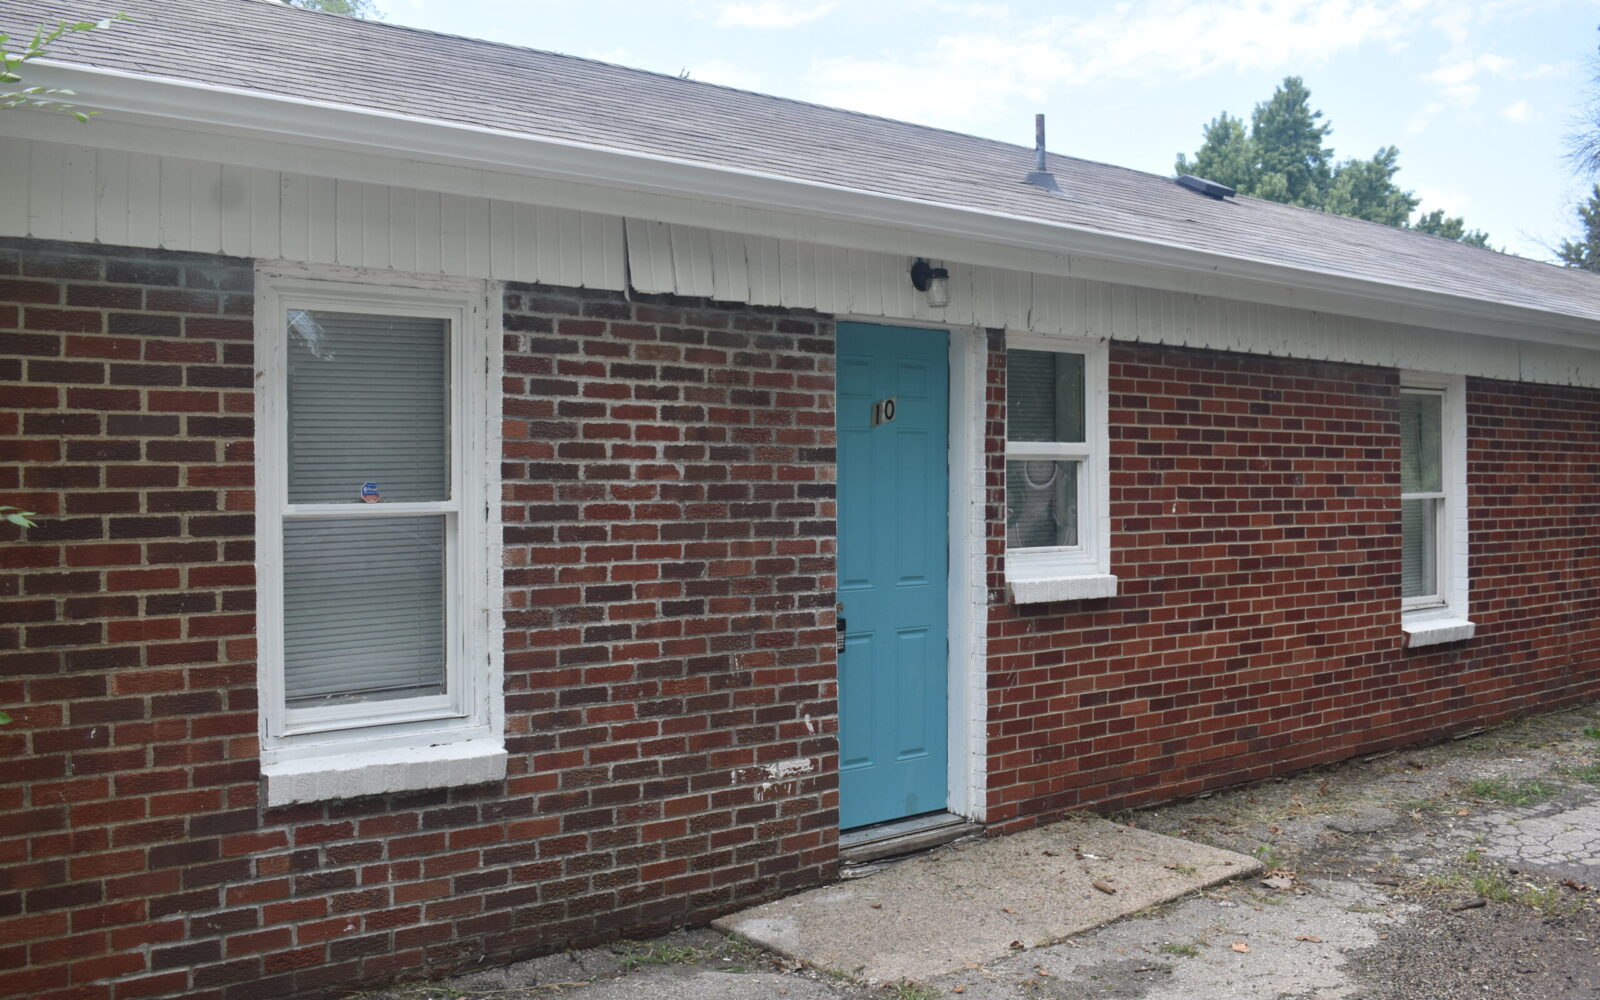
(265, 46)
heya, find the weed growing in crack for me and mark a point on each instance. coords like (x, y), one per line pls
(1512, 793)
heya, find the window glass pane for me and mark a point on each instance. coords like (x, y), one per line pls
(1041, 503)
(1419, 548)
(1419, 443)
(368, 403)
(1044, 396)
(363, 609)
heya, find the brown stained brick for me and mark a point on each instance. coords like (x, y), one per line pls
(109, 348)
(64, 320)
(143, 325)
(104, 297)
(39, 345)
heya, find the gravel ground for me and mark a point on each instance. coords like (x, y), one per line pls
(1467, 869)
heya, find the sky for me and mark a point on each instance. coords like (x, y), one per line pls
(1479, 95)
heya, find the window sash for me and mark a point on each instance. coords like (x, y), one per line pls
(1424, 548)
(459, 703)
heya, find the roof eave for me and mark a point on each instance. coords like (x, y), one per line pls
(233, 109)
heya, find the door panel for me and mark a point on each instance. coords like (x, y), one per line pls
(893, 564)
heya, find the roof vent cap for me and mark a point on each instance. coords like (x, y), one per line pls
(1040, 177)
(1211, 189)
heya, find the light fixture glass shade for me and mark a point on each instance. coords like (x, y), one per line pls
(939, 290)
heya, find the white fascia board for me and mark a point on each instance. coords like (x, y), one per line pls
(237, 110)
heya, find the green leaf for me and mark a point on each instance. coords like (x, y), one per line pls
(4, 718)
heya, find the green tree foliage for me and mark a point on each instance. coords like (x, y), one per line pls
(1291, 161)
(366, 10)
(12, 65)
(1584, 252)
(1284, 157)
(1434, 223)
(1226, 155)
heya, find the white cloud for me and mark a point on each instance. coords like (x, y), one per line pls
(769, 14)
(1519, 112)
(970, 72)
(1422, 119)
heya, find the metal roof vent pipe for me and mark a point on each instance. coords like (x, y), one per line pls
(1041, 177)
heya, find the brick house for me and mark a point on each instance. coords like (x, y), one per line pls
(452, 498)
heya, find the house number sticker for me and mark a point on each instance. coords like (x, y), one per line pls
(883, 411)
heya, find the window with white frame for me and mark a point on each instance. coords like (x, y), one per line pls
(1433, 539)
(379, 663)
(1056, 484)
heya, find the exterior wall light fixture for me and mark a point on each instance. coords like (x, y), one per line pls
(933, 280)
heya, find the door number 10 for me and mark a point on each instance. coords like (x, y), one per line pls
(883, 411)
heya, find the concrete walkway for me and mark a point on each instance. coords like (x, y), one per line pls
(971, 903)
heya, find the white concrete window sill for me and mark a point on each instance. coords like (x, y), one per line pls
(348, 775)
(1435, 629)
(1042, 589)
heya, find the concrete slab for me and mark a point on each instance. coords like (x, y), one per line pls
(975, 902)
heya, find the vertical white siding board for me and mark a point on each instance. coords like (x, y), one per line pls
(502, 239)
(614, 258)
(761, 262)
(110, 197)
(570, 249)
(453, 233)
(350, 205)
(859, 302)
(78, 194)
(523, 249)
(547, 244)
(430, 232)
(375, 225)
(591, 250)
(728, 283)
(789, 273)
(839, 280)
(403, 228)
(234, 206)
(176, 208)
(265, 191)
(322, 230)
(205, 206)
(294, 216)
(15, 166)
(983, 298)
(649, 256)
(478, 237)
(691, 260)
(45, 166)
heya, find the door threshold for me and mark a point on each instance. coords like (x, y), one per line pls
(903, 836)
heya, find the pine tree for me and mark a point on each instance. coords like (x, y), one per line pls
(1287, 137)
(1585, 251)
(1282, 157)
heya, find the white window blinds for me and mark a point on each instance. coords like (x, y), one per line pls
(368, 403)
(363, 609)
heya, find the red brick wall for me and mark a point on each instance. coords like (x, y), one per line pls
(669, 546)
(126, 616)
(669, 509)
(1255, 534)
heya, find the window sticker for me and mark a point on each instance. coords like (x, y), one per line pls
(369, 493)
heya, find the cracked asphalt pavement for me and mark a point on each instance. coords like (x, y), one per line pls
(1466, 869)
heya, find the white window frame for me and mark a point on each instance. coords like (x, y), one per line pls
(1081, 571)
(339, 751)
(1442, 617)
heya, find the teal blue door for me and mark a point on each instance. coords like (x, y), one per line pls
(893, 542)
